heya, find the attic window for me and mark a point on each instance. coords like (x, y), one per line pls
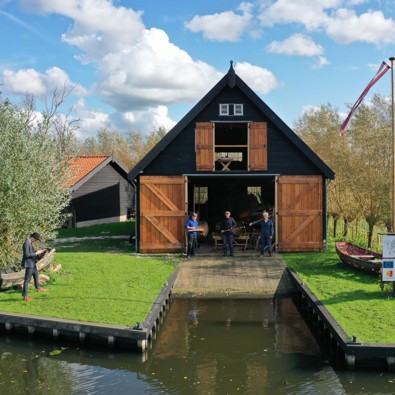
(231, 109)
(237, 109)
(224, 109)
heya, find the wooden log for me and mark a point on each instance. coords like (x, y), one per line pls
(9, 280)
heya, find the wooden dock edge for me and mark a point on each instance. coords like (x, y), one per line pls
(348, 350)
(136, 338)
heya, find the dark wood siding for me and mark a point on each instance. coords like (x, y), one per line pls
(105, 195)
(275, 153)
(104, 203)
(282, 158)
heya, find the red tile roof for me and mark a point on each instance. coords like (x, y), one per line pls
(82, 166)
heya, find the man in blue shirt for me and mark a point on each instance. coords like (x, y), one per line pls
(191, 227)
(267, 232)
(227, 224)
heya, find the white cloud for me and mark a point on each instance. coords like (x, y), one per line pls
(151, 119)
(90, 120)
(371, 27)
(320, 62)
(224, 26)
(32, 82)
(310, 14)
(139, 69)
(340, 24)
(155, 72)
(257, 78)
(298, 44)
(146, 120)
(352, 3)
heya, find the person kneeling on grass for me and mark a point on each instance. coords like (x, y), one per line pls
(30, 257)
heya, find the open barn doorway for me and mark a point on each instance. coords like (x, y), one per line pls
(245, 197)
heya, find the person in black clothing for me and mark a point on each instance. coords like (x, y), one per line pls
(29, 259)
(226, 231)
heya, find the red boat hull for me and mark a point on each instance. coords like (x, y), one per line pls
(359, 258)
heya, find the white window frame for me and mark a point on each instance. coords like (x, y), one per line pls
(238, 109)
(224, 109)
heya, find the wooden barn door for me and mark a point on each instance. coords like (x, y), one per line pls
(257, 144)
(162, 213)
(299, 207)
(204, 140)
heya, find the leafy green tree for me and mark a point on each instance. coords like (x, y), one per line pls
(139, 145)
(128, 149)
(107, 142)
(319, 129)
(371, 184)
(33, 182)
(360, 160)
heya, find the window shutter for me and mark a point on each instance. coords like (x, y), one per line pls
(204, 140)
(257, 157)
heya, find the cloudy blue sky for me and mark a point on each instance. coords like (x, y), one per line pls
(142, 64)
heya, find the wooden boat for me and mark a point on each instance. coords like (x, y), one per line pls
(9, 280)
(359, 258)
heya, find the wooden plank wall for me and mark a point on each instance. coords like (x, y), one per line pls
(299, 206)
(162, 213)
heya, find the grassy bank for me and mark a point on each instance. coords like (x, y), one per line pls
(353, 298)
(101, 280)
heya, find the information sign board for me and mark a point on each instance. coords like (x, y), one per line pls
(388, 269)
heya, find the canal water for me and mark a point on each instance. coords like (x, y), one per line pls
(203, 347)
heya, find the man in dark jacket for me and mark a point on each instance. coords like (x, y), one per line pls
(267, 233)
(227, 224)
(30, 257)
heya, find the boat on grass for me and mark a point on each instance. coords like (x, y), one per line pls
(359, 258)
(13, 278)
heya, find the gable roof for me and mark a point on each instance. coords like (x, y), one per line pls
(85, 167)
(231, 79)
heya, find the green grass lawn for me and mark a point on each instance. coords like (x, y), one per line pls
(116, 229)
(353, 298)
(101, 281)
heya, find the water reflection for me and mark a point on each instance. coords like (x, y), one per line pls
(204, 347)
(233, 346)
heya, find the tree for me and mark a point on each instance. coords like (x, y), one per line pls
(127, 149)
(107, 142)
(33, 182)
(154, 137)
(319, 130)
(59, 126)
(371, 183)
(361, 161)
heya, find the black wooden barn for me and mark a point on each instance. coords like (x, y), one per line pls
(101, 191)
(230, 152)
